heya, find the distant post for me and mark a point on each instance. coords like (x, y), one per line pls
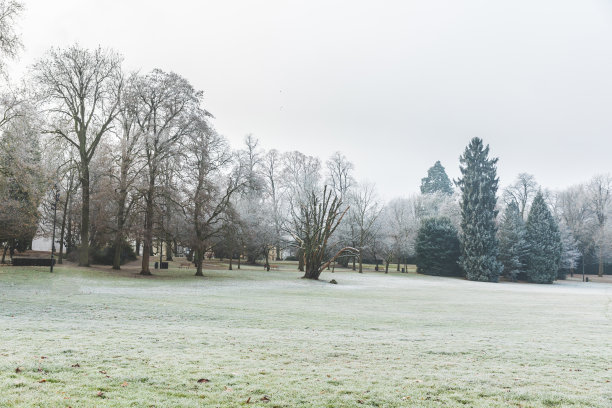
(56, 197)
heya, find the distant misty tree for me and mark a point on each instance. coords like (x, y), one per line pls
(340, 174)
(478, 184)
(512, 242)
(544, 241)
(437, 248)
(437, 181)
(570, 252)
(599, 193)
(522, 191)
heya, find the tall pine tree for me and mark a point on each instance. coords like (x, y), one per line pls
(512, 242)
(544, 241)
(437, 181)
(478, 184)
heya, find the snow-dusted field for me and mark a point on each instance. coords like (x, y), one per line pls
(85, 338)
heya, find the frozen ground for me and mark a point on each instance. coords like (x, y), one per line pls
(83, 338)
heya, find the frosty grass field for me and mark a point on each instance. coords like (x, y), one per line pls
(92, 337)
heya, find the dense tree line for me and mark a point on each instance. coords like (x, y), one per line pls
(140, 167)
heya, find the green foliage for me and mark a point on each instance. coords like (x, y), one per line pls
(437, 181)
(544, 241)
(478, 184)
(437, 248)
(513, 248)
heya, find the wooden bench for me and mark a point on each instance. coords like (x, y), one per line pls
(184, 265)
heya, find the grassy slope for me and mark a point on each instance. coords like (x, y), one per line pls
(373, 340)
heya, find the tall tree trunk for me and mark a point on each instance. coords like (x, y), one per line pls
(600, 271)
(169, 250)
(84, 251)
(147, 246)
(137, 247)
(230, 261)
(4, 253)
(354, 263)
(387, 267)
(199, 258)
(360, 263)
(300, 255)
(267, 255)
(69, 247)
(239, 261)
(60, 255)
(119, 233)
(398, 264)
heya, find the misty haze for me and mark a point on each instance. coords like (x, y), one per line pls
(305, 204)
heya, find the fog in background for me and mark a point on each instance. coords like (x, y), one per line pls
(394, 85)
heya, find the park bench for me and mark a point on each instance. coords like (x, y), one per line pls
(184, 265)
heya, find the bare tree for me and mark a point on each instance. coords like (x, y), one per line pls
(128, 163)
(577, 214)
(208, 195)
(365, 210)
(599, 192)
(522, 191)
(271, 168)
(80, 89)
(165, 114)
(313, 222)
(340, 174)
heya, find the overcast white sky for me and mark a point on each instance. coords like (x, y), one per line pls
(395, 85)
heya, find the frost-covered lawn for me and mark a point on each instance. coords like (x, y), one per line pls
(85, 338)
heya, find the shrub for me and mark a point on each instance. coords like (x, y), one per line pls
(437, 248)
(104, 255)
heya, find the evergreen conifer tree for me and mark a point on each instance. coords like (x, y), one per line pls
(544, 241)
(437, 248)
(512, 242)
(437, 181)
(478, 184)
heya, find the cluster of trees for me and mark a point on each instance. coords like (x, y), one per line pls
(533, 234)
(140, 167)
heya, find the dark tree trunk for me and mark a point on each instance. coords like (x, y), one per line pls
(267, 256)
(60, 255)
(354, 263)
(69, 246)
(387, 267)
(239, 257)
(169, 250)
(230, 262)
(147, 246)
(199, 258)
(84, 175)
(312, 274)
(398, 264)
(137, 247)
(4, 253)
(300, 255)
